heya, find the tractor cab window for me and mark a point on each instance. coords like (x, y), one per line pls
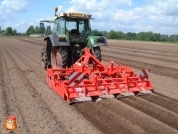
(77, 26)
(61, 26)
(71, 25)
(54, 28)
(84, 27)
(81, 26)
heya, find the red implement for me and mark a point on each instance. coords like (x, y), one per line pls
(89, 79)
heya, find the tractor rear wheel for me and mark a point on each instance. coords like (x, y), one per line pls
(97, 53)
(44, 58)
(59, 57)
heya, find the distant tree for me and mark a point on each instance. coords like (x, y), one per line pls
(8, 31)
(142, 36)
(19, 34)
(157, 37)
(30, 30)
(173, 38)
(121, 35)
(37, 30)
(164, 37)
(3, 32)
(48, 30)
(95, 32)
(14, 32)
(104, 33)
(112, 35)
(23, 34)
(131, 36)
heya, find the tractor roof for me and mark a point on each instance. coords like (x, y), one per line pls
(74, 15)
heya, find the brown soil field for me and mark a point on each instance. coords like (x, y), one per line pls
(39, 110)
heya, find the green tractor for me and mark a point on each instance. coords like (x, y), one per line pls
(71, 33)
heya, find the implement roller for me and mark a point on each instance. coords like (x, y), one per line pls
(90, 79)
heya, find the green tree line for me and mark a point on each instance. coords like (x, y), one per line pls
(9, 31)
(38, 30)
(31, 30)
(143, 36)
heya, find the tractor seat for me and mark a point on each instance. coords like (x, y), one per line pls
(74, 31)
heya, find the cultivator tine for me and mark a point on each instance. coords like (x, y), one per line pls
(145, 91)
(126, 94)
(80, 99)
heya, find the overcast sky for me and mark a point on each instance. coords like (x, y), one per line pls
(119, 15)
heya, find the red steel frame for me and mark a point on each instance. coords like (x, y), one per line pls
(94, 80)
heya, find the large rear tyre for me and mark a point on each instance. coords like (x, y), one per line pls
(44, 58)
(97, 53)
(59, 57)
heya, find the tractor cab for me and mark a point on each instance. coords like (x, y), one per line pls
(75, 27)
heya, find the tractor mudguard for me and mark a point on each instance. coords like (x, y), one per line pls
(54, 39)
(95, 41)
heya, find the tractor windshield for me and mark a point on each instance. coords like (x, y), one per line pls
(74, 26)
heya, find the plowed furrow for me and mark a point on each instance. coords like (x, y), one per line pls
(12, 105)
(52, 105)
(139, 55)
(138, 51)
(158, 99)
(104, 120)
(3, 88)
(121, 115)
(129, 115)
(98, 123)
(39, 107)
(162, 114)
(40, 43)
(157, 69)
(166, 51)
